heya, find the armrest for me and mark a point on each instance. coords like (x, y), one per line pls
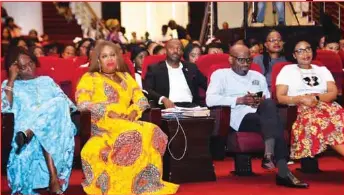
(222, 118)
(152, 115)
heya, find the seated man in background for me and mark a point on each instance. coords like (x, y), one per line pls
(174, 82)
(237, 87)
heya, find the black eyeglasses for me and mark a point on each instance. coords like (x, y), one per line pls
(275, 40)
(302, 51)
(242, 60)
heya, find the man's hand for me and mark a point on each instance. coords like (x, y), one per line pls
(248, 100)
(168, 103)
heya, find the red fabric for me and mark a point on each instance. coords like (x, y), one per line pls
(204, 62)
(276, 68)
(149, 60)
(334, 63)
(127, 55)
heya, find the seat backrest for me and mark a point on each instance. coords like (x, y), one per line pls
(204, 62)
(333, 63)
(79, 72)
(214, 67)
(341, 55)
(130, 65)
(149, 60)
(276, 69)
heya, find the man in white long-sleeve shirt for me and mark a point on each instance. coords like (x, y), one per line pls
(236, 87)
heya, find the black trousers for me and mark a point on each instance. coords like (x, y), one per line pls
(267, 121)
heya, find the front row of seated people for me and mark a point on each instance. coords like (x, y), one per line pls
(124, 155)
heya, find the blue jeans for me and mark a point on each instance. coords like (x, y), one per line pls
(280, 11)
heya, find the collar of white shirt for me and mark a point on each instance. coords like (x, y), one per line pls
(169, 67)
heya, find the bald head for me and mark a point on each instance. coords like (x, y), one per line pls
(238, 49)
(240, 59)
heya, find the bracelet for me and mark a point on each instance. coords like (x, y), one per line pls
(8, 88)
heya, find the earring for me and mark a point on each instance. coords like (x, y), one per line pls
(100, 67)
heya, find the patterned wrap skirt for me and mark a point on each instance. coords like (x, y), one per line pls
(315, 128)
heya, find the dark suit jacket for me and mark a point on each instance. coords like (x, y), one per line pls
(157, 83)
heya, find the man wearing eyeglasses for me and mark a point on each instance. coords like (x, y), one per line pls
(246, 92)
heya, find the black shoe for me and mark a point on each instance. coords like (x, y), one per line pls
(20, 140)
(268, 162)
(290, 181)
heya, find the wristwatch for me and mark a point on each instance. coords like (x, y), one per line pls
(317, 97)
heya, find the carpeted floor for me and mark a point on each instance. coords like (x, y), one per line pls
(330, 181)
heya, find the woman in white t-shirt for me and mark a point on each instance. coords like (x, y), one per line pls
(320, 120)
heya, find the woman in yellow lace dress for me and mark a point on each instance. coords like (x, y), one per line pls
(123, 155)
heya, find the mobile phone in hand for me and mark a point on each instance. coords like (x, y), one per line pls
(259, 94)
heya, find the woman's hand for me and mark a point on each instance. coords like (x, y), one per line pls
(132, 116)
(308, 100)
(13, 72)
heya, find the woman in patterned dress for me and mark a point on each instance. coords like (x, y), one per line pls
(43, 142)
(123, 155)
(320, 120)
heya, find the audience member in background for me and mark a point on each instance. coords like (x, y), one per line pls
(320, 120)
(15, 30)
(37, 51)
(164, 35)
(5, 40)
(33, 38)
(43, 128)
(237, 87)
(341, 45)
(213, 48)
(192, 52)
(225, 26)
(151, 46)
(280, 10)
(133, 40)
(180, 30)
(45, 40)
(83, 45)
(253, 45)
(173, 82)
(68, 52)
(331, 43)
(51, 49)
(115, 33)
(321, 43)
(18, 42)
(159, 50)
(137, 56)
(124, 155)
(272, 53)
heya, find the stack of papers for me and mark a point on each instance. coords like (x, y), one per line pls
(189, 112)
